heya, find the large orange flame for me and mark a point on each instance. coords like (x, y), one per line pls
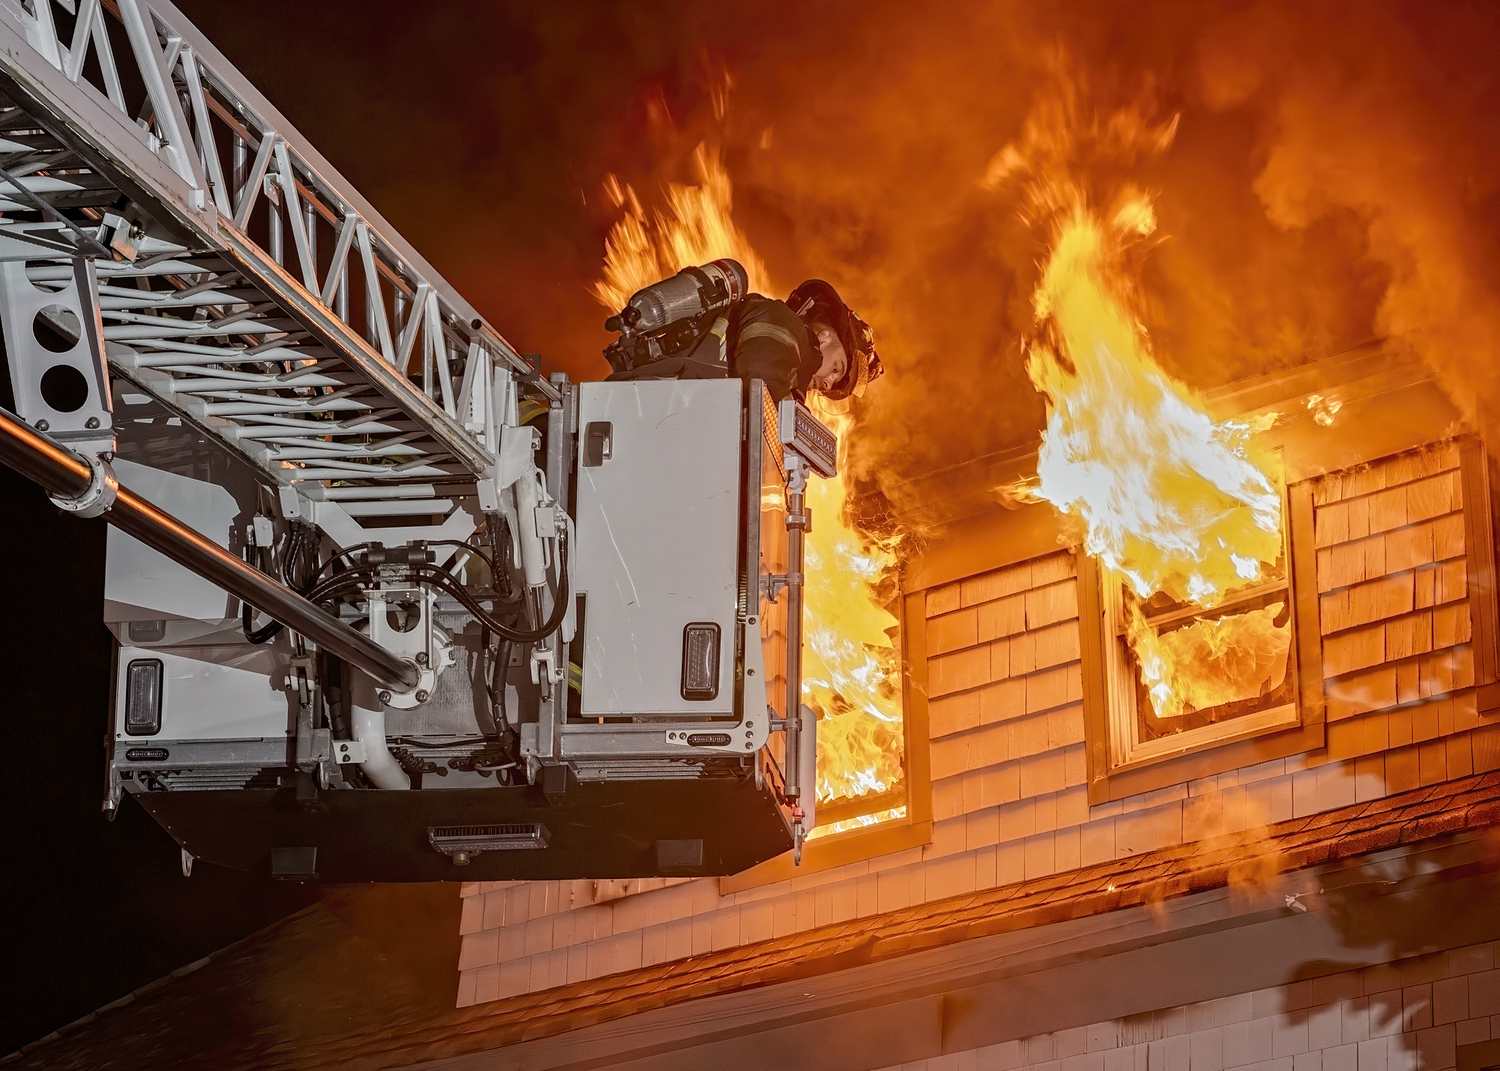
(850, 671)
(851, 675)
(1169, 500)
(696, 226)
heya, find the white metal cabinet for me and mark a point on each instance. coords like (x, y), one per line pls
(658, 540)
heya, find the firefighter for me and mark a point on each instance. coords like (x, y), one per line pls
(810, 342)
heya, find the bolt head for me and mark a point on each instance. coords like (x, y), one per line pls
(421, 696)
(421, 658)
(42, 425)
(385, 697)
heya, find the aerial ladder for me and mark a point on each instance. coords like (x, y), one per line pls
(389, 603)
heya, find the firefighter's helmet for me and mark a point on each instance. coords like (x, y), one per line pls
(817, 302)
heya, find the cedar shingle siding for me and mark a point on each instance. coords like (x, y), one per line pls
(1008, 749)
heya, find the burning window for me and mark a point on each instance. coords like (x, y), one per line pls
(1179, 676)
(1189, 573)
(852, 669)
(1235, 683)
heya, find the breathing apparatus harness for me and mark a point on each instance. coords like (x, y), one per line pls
(669, 318)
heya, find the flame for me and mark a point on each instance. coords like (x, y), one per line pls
(1212, 661)
(850, 671)
(695, 227)
(1323, 409)
(851, 674)
(860, 822)
(1169, 500)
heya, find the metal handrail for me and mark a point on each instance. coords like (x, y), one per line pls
(67, 475)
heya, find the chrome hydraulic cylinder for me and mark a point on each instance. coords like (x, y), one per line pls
(71, 478)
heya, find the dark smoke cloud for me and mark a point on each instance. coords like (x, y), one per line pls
(1332, 180)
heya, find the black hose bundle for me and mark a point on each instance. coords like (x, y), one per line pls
(343, 582)
(297, 566)
(299, 570)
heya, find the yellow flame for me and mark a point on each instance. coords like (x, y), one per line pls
(851, 672)
(1169, 500)
(858, 823)
(695, 227)
(1212, 661)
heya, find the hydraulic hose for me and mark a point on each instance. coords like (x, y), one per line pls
(340, 583)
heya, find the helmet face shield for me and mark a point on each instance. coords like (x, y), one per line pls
(817, 302)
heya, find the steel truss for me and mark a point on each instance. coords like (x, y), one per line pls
(240, 280)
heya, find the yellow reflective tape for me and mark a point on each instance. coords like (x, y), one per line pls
(772, 331)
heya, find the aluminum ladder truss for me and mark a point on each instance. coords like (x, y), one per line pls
(236, 277)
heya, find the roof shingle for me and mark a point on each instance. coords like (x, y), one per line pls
(160, 1022)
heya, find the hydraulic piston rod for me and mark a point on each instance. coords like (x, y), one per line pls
(68, 475)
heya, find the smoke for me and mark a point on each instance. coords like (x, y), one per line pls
(1332, 177)
(1330, 182)
(1393, 124)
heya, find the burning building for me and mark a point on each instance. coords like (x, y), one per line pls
(1199, 750)
(1168, 741)
(1191, 762)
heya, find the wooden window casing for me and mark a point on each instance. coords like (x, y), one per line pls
(1205, 757)
(1119, 765)
(893, 835)
(1477, 471)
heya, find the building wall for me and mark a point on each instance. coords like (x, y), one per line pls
(1405, 1016)
(1007, 749)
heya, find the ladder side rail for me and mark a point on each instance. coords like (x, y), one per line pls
(217, 98)
(391, 246)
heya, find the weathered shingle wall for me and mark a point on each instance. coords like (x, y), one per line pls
(1008, 759)
(1005, 707)
(1395, 617)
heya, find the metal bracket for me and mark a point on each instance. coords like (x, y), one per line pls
(776, 583)
(100, 494)
(425, 644)
(349, 751)
(55, 342)
(544, 671)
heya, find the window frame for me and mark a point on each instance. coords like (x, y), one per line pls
(1232, 746)
(884, 838)
(1126, 749)
(1477, 470)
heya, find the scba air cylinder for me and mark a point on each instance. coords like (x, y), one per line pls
(685, 296)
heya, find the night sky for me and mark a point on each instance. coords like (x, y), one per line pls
(1335, 177)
